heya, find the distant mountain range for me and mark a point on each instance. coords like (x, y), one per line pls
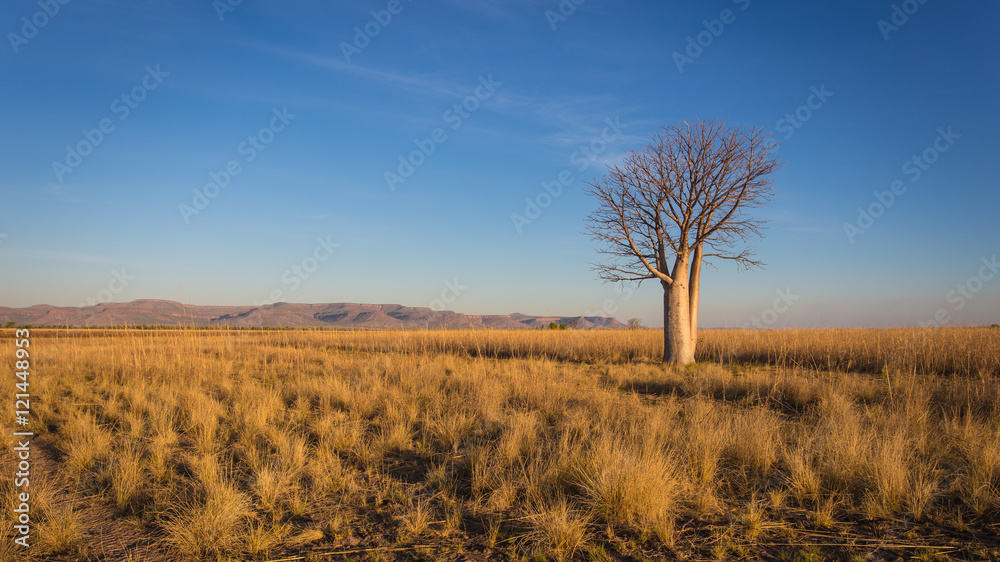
(282, 315)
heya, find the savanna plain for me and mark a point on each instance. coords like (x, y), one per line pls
(508, 445)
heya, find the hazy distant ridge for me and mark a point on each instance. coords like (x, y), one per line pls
(281, 315)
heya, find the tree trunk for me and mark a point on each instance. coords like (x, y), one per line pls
(677, 346)
(694, 290)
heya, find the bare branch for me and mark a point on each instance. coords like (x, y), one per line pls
(688, 190)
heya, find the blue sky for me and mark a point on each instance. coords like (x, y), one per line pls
(309, 104)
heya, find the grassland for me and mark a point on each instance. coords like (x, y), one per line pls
(297, 445)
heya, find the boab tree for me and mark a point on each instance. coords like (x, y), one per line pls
(678, 201)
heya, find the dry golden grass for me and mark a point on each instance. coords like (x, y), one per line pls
(61, 532)
(944, 351)
(220, 445)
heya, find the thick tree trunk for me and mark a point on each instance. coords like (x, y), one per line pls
(693, 295)
(677, 345)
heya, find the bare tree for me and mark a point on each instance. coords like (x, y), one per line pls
(678, 201)
(634, 323)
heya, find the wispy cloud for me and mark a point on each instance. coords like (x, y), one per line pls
(424, 84)
(579, 120)
(574, 120)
